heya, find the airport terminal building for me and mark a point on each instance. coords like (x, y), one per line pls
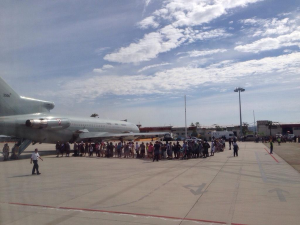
(205, 132)
(278, 128)
(179, 132)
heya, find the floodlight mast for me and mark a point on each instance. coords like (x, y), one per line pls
(185, 116)
(239, 90)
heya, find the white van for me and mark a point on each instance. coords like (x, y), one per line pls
(219, 134)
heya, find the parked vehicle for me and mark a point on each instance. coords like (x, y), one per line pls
(250, 137)
(220, 134)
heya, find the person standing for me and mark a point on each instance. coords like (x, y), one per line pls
(116, 152)
(235, 149)
(126, 150)
(119, 149)
(147, 147)
(62, 149)
(229, 143)
(137, 150)
(150, 151)
(57, 147)
(184, 150)
(91, 150)
(75, 149)
(15, 152)
(279, 140)
(213, 146)
(34, 158)
(143, 150)
(206, 146)
(97, 148)
(271, 146)
(6, 152)
(67, 149)
(81, 149)
(111, 149)
(156, 151)
(169, 151)
(86, 149)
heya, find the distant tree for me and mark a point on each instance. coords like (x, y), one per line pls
(197, 124)
(192, 124)
(245, 128)
(94, 115)
(218, 128)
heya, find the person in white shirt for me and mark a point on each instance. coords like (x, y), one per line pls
(34, 158)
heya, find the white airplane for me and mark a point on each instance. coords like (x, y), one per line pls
(30, 121)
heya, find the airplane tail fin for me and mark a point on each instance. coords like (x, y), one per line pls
(13, 104)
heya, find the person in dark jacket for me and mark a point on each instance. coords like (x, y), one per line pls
(271, 146)
(206, 146)
(67, 149)
(235, 149)
(156, 151)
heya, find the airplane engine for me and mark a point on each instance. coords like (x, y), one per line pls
(48, 123)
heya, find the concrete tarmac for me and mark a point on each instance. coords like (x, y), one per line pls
(289, 151)
(253, 188)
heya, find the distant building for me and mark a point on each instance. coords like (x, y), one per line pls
(277, 128)
(155, 129)
(235, 129)
(179, 132)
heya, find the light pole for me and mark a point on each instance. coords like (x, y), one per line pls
(239, 90)
(185, 116)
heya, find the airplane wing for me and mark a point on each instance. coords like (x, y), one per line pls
(96, 136)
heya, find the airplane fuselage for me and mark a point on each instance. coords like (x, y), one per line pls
(50, 128)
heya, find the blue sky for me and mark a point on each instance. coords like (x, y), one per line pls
(136, 59)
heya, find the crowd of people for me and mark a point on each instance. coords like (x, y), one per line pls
(278, 139)
(149, 150)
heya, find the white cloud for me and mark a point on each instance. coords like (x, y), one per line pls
(148, 22)
(107, 67)
(171, 81)
(97, 70)
(202, 53)
(266, 44)
(153, 66)
(270, 27)
(155, 43)
(99, 51)
(197, 12)
(147, 2)
(146, 49)
(288, 51)
(181, 16)
(104, 68)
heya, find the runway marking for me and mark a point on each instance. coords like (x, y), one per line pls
(271, 156)
(262, 172)
(122, 213)
(279, 193)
